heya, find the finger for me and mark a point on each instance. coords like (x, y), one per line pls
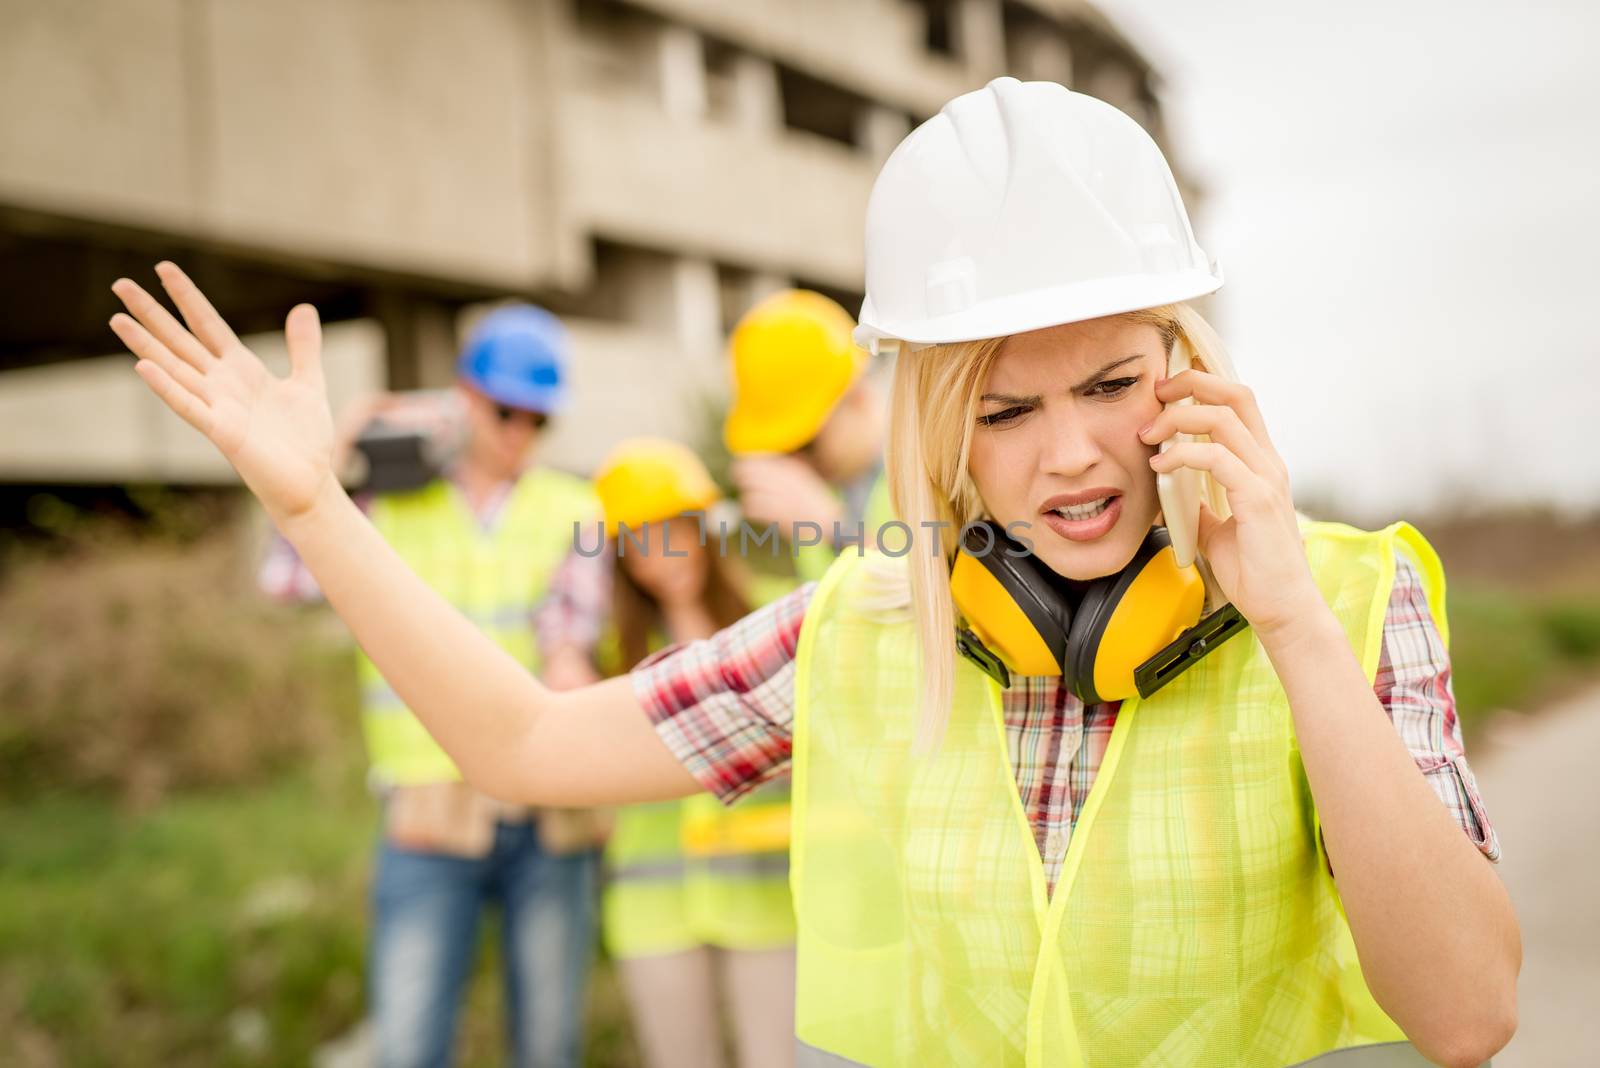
(1219, 423)
(208, 326)
(1208, 525)
(142, 344)
(1207, 388)
(303, 332)
(189, 407)
(160, 323)
(1215, 458)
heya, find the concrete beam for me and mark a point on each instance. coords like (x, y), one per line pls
(94, 421)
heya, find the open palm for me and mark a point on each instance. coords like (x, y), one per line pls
(276, 432)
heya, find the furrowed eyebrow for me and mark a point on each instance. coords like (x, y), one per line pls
(1009, 399)
(1107, 369)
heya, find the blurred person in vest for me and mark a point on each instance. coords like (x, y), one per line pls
(805, 430)
(495, 537)
(696, 907)
(1066, 793)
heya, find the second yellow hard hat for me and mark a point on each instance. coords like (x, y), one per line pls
(793, 360)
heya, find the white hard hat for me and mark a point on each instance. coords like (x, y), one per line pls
(1019, 206)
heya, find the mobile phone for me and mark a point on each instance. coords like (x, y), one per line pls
(1180, 491)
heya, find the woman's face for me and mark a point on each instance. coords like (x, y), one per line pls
(676, 579)
(1057, 450)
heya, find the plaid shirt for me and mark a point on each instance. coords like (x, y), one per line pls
(725, 707)
(573, 611)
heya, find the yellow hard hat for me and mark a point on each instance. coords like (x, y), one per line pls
(646, 480)
(792, 362)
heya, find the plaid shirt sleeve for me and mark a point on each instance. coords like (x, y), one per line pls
(725, 705)
(1413, 683)
(573, 611)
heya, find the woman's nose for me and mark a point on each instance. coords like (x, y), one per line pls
(1070, 447)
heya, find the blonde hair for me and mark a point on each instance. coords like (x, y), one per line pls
(933, 411)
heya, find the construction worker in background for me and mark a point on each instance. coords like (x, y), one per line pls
(806, 433)
(696, 897)
(494, 536)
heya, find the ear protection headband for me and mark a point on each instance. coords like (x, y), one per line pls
(1132, 632)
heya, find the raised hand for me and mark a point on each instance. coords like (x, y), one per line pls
(276, 432)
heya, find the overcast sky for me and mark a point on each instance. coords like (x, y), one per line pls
(1404, 201)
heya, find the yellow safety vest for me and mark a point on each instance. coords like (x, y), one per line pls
(1195, 921)
(496, 578)
(682, 874)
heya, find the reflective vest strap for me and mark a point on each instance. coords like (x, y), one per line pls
(1377, 1055)
(749, 865)
(645, 871)
(1381, 1055)
(807, 1056)
(757, 826)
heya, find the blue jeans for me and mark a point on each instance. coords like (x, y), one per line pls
(425, 927)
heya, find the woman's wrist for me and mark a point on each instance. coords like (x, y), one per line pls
(322, 508)
(1310, 625)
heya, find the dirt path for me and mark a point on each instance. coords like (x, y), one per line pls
(1540, 779)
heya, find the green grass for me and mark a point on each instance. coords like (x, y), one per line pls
(163, 938)
(132, 939)
(1514, 650)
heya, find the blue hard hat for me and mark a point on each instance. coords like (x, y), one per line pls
(518, 356)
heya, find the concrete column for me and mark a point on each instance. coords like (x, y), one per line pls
(763, 284)
(879, 130)
(681, 65)
(420, 340)
(978, 30)
(697, 307)
(1042, 56)
(757, 101)
(1117, 85)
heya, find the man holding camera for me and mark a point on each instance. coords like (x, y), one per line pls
(492, 533)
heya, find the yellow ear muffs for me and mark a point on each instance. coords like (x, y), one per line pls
(1011, 608)
(1132, 632)
(1125, 619)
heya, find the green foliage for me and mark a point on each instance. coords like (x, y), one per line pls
(148, 938)
(1512, 649)
(185, 836)
(136, 938)
(1573, 628)
(137, 663)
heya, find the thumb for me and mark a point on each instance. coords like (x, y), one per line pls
(303, 332)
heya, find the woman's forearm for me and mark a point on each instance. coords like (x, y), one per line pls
(511, 736)
(473, 697)
(1434, 927)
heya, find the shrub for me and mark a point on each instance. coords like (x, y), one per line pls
(134, 663)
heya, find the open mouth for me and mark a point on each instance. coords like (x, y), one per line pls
(1083, 516)
(1087, 510)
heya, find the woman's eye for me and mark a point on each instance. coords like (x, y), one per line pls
(1005, 415)
(1113, 387)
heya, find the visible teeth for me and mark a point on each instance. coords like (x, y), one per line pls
(1087, 510)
